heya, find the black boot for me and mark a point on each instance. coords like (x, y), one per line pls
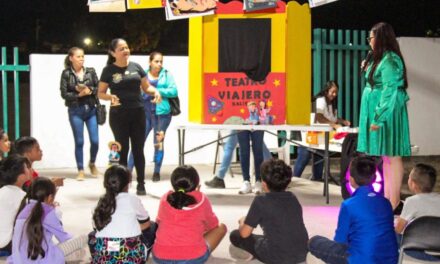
(140, 189)
(216, 183)
(156, 177)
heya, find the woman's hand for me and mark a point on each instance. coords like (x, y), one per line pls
(374, 127)
(346, 122)
(85, 91)
(335, 126)
(157, 97)
(114, 100)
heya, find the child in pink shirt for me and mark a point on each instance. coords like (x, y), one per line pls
(188, 228)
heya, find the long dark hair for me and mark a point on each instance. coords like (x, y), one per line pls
(184, 179)
(40, 190)
(67, 62)
(116, 179)
(112, 48)
(323, 93)
(385, 40)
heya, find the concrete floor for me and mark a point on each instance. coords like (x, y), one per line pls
(78, 199)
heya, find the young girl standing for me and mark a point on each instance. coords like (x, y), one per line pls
(35, 226)
(188, 228)
(124, 230)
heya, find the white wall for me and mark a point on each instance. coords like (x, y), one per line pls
(50, 125)
(50, 122)
(422, 59)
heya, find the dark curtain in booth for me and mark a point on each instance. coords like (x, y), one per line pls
(245, 46)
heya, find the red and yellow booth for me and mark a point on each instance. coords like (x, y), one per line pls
(263, 57)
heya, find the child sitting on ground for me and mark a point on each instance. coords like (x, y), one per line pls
(14, 172)
(279, 214)
(188, 229)
(424, 202)
(365, 232)
(30, 148)
(124, 231)
(35, 226)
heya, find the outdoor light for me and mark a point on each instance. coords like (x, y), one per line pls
(87, 41)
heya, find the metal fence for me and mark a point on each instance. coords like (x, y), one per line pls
(337, 55)
(15, 68)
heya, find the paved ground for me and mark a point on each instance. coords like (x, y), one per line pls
(77, 200)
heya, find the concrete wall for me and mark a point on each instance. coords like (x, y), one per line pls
(422, 58)
(50, 125)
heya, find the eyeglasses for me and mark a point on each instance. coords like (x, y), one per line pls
(370, 38)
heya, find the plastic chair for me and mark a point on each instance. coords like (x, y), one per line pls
(422, 233)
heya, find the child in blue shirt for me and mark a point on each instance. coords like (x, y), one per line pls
(365, 232)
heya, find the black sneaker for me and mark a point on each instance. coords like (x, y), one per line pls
(140, 189)
(156, 177)
(216, 183)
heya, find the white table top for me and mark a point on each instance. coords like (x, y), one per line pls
(315, 127)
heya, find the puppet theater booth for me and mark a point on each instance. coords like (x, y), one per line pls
(237, 57)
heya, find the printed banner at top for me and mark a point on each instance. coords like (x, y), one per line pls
(233, 98)
(315, 3)
(179, 9)
(106, 6)
(141, 4)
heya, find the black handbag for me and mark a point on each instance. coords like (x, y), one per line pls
(174, 105)
(101, 112)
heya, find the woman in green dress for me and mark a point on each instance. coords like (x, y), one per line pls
(383, 124)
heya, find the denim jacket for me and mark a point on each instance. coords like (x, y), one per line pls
(167, 89)
(69, 82)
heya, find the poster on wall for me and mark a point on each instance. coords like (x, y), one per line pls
(315, 3)
(254, 5)
(234, 98)
(143, 4)
(106, 6)
(180, 9)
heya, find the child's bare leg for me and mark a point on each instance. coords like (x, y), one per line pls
(214, 236)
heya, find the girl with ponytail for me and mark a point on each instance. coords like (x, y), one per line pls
(188, 228)
(124, 231)
(35, 226)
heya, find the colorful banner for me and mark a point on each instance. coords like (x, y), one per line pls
(106, 5)
(179, 9)
(315, 3)
(233, 98)
(142, 4)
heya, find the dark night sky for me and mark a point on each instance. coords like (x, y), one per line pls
(68, 21)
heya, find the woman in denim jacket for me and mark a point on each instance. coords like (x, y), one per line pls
(78, 89)
(158, 115)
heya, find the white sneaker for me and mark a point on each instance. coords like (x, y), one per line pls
(239, 254)
(258, 187)
(245, 188)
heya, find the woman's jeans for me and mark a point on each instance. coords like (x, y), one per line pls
(228, 150)
(244, 138)
(156, 123)
(128, 126)
(79, 115)
(303, 159)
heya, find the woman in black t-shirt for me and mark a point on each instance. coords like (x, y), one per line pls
(127, 116)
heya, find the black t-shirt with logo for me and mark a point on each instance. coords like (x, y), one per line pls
(125, 83)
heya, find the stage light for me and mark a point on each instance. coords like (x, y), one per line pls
(377, 183)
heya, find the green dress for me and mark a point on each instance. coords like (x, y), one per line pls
(385, 106)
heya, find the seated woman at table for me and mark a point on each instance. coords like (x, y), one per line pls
(325, 113)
